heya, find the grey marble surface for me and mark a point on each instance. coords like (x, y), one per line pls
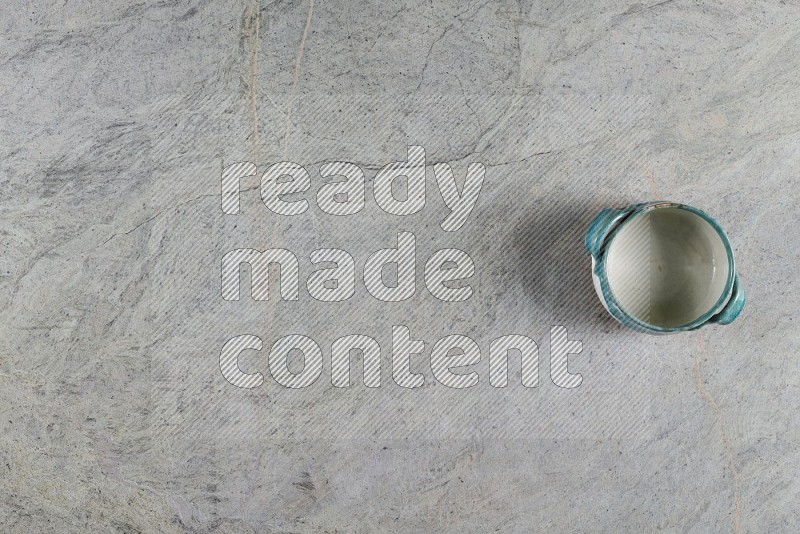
(116, 121)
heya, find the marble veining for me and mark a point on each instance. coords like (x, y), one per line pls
(117, 121)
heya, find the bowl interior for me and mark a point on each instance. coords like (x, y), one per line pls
(667, 267)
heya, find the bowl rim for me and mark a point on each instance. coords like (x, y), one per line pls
(621, 314)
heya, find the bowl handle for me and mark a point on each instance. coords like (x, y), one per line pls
(734, 305)
(601, 226)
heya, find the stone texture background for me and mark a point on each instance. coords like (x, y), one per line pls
(116, 122)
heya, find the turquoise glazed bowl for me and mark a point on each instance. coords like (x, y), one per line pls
(662, 267)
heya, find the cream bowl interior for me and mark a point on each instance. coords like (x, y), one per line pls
(667, 267)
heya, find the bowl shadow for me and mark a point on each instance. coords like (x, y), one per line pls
(554, 266)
